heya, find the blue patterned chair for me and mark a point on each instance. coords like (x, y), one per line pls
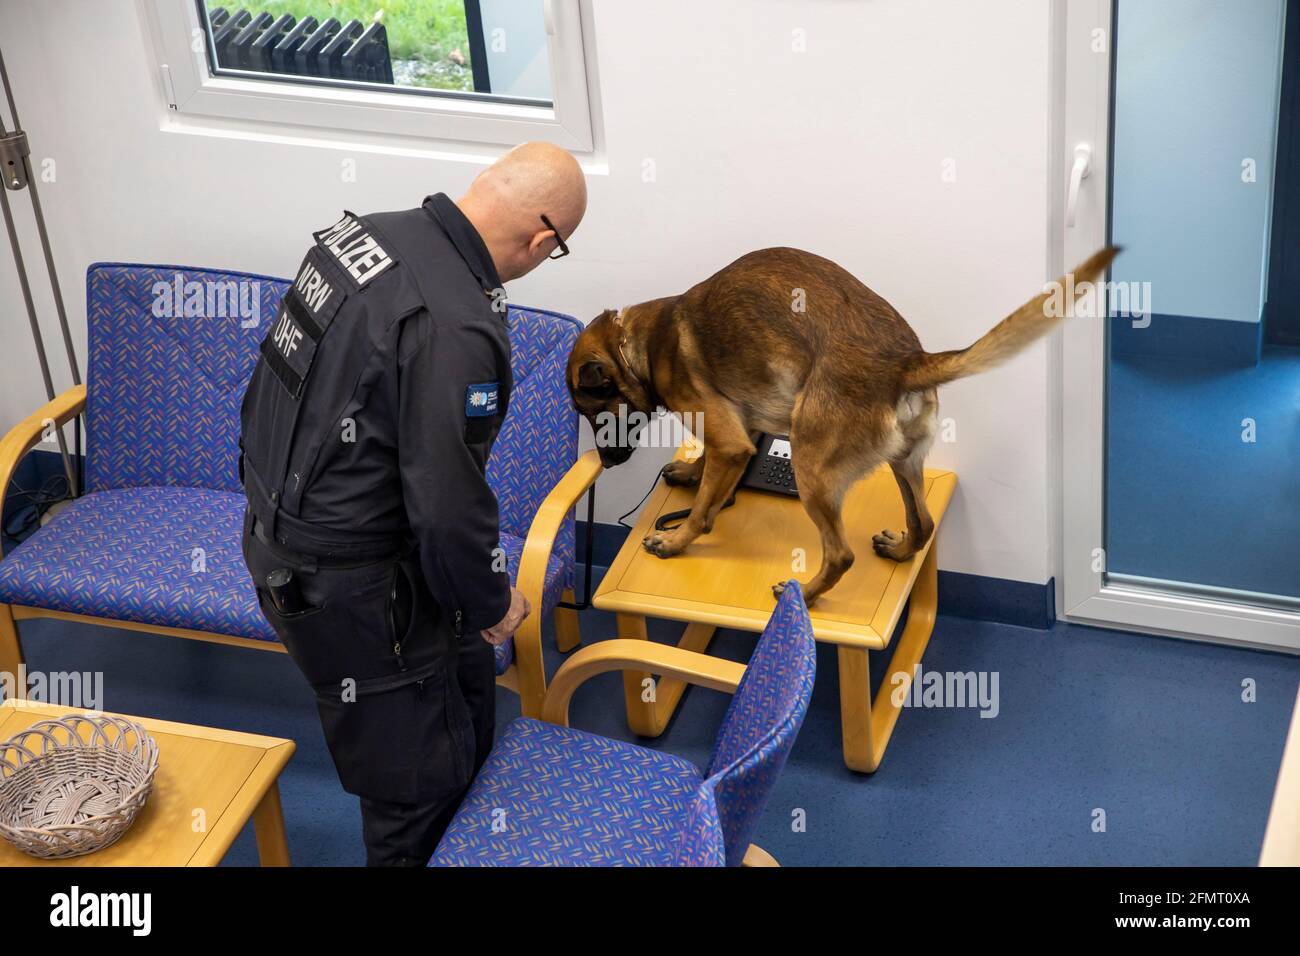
(154, 543)
(550, 795)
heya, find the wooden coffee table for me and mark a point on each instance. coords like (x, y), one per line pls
(725, 578)
(209, 783)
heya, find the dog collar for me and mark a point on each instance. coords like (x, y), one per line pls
(622, 353)
(622, 340)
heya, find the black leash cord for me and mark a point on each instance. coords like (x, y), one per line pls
(637, 506)
(661, 523)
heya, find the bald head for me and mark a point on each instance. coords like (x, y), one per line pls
(507, 200)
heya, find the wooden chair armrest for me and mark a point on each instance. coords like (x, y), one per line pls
(529, 668)
(550, 516)
(553, 511)
(24, 436)
(626, 654)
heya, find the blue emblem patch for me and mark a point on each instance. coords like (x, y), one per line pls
(481, 400)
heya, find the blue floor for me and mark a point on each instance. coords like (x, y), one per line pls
(1152, 731)
(1187, 499)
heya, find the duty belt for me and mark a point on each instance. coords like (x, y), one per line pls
(326, 546)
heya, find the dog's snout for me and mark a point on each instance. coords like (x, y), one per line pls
(609, 457)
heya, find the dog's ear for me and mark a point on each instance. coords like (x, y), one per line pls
(593, 378)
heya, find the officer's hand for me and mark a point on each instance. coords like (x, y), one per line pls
(506, 627)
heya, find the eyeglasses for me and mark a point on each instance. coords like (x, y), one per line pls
(563, 250)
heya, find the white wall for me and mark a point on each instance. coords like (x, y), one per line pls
(1196, 94)
(839, 150)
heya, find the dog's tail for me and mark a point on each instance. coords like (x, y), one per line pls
(1025, 325)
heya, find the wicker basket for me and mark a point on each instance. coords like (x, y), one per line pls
(74, 785)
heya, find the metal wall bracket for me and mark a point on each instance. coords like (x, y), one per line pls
(13, 151)
(17, 174)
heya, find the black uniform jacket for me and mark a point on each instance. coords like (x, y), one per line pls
(383, 382)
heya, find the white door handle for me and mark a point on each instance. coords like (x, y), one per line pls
(1082, 168)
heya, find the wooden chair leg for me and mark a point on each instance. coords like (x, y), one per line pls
(567, 632)
(529, 667)
(11, 653)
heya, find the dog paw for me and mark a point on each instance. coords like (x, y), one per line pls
(681, 473)
(809, 596)
(891, 544)
(659, 545)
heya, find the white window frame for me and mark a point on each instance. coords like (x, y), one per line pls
(191, 91)
(1089, 597)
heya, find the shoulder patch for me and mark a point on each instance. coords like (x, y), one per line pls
(356, 250)
(483, 400)
(315, 289)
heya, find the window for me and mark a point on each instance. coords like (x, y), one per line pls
(494, 71)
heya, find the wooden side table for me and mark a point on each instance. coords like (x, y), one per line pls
(209, 783)
(725, 578)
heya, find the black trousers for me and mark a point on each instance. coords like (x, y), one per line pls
(407, 706)
(403, 834)
(406, 834)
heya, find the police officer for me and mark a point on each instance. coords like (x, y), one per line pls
(371, 532)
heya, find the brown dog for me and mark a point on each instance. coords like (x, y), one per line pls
(786, 342)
